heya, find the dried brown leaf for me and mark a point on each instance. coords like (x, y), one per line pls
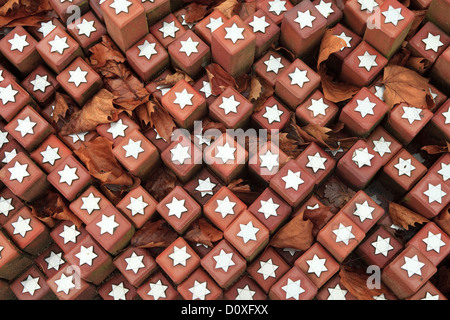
(333, 90)
(435, 149)
(154, 234)
(201, 231)
(338, 193)
(172, 79)
(219, 79)
(228, 7)
(319, 217)
(329, 45)
(296, 234)
(195, 12)
(418, 64)
(404, 217)
(160, 183)
(356, 284)
(443, 220)
(243, 191)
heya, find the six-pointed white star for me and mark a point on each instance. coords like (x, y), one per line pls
(30, 285)
(214, 23)
(277, 7)
(205, 187)
(120, 6)
(46, 27)
(367, 61)
(434, 193)
(365, 107)
(147, 49)
(293, 289)
(58, 44)
(158, 290)
(234, 33)
(273, 114)
(362, 157)
(137, 205)
(267, 269)
(189, 46)
(133, 148)
(292, 179)
(225, 153)
(381, 146)
(65, 283)
(268, 208)
(316, 162)
(273, 64)
(40, 83)
(183, 98)
(77, 76)
(86, 28)
(3, 138)
(224, 260)
(21, 226)
(363, 211)
(18, 42)
(347, 40)
(90, 203)
(392, 15)
(317, 265)
(247, 232)
(343, 234)
(337, 293)
(9, 155)
(18, 172)
(86, 255)
(259, 24)
(179, 256)
(432, 42)
(299, 77)
(446, 115)
(176, 207)
(368, 5)
(6, 206)
(70, 234)
(8, 94)
(206, 89)
(25, 126)
(118, 291)
(305, 19)
(199, 290)
(117, 129)
(68, 175)
(269, 160)
(413, 266)
(169, 29)
(134, 262)
(382, 246)
(180, 153)
(107, 224)
(411, 114)
(229, 104)
(324, 8)
(404, 167)
(225, 207)
(434, 242)
(245, 293)
(444, 171)
(318, 107)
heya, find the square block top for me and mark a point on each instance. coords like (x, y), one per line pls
(17, 44)
(122, 12)
(275, 9)
(429, 42)
(233, 35)
(305, 18)
(395, 17)
(188, 47)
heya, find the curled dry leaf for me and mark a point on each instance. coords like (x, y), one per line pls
(201, 231)
(291, 147)
(400, 58)
(52, 207)
(405, 85)
(295, 234)
(404, 217)
(319, 217)
(98, 110)
(25, 12)
(103, 52)
(418, 64)
(443, 220)
(160, 183)
(435, 149)
(195, 12)
(243, 191)
(228, 7)
(260, 91)
(334, 90)
(172, 79)
(160, 119)
(154, 234)
(329, 45)
(337, 193)
(219, 79)
(60, 107)
(356, 283)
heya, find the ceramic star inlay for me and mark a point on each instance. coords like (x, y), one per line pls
(40, 83)
(292, 180)
(324, 8)
(273, 114)
(229, 104)
(429, 296)
(205, 187)
(434, 242)
(298, 77)
(343, 234)
(86, 255)
(80, 136)
(25, 126)
(120, 6)
(54, 260)
(180, 153)
(382, 246)
(382, 146)
(206, 89)
(317, 265)
(392, 15)
(58, 44)
(363, 211)
(293, 289)
(77, 76)
(318, 107)
(8, 94)
(234, 33)
(245, 293)
(444, 171)
(6, 206)
(147, 49)
(225, 152)
(18, 172)
(90, 203)
(21, 226)
(107, 224)
(269, 160)
(176, 207)
(134, 262)
(432, 42)
(305, 19)
(337, 293)
(365, 107)
(259, 24)
(267, 269)
(179, 256)
(380, 297)
(268, 208)
(199, 290)
(3, 138)
(189, 46)
(68, 175)
(169, 29)
(46, 27)
(362, 157)
(86, 28)
(183, 98)
(434, 193)
(316, 162)
(446, 115)
(117, 129)
(413, 266)
(277, 7)
(65, 284)
(9, 155)
(411, 114)
(247, 232)
(346, 38)
(367, 61)
(133, 149)
(368, 5)
(224, 260)
(404, 167)
(273, 64)
(137, 205)
(214, 23)
(18, 42)
(158, 290)
(70, 234)
(225, 207)
(118, 291)
(30, 285)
